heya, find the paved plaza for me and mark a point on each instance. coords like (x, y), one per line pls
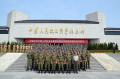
(103, 66)
(80, 75)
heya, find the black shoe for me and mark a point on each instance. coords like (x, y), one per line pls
(38, 71)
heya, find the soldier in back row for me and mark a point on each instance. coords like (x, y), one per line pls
(53, 58)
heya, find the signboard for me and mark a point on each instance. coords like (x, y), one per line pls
(64, 41)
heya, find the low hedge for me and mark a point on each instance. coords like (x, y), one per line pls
(104, 51)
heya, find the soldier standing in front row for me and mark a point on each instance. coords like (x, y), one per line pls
(29, 61)
(0, 48)
(60, 62)
(47, 61)
(88, 59)
(79, 62)
(68, 60)
(83, 57)
(40, 62)
(54, 61)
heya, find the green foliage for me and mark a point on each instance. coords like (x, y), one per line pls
(12, 43)
(102, 46)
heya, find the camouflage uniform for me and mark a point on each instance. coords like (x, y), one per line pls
(88, 59)
(47, 62)
(35, 57)
(21, 48)
(54, 62)
(40, 62)
(9, 48)
(61, 63)
(0, 48)
(5, 48)
(68, 60)
(14, 48)
(17, 48)
(83, 57)
(79, 62)
(29, 61)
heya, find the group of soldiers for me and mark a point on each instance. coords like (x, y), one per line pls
(22, 48)
(58, 58)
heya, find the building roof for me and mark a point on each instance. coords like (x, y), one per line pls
(57, 21)
(4, 30)
(4, 27)
(110, 29)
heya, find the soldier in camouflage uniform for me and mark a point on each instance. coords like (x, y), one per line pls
(79, 62)
(40, 62)
(54, 61)
(0, 48)
(83, 61)
(29, 61)
(5, 48)
(9, 48)
(88, 59)
(61, 62)
(23, 48)
(47, 61)
(17, 48)
(13, 48)
(68, 60)
(20, 48)
(34, 60)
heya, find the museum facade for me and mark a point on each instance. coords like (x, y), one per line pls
(92, 30)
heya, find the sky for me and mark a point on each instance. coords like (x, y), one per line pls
(62, 9)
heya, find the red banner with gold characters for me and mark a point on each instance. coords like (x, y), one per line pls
(47, 40)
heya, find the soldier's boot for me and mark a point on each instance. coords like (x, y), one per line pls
(54, 68)
(62, 68)
(39, 68)
(70, 68)
(88, 64)
(27, 68)
(84, 66)
(76, 68)
(59, 68)
(67, 68)
(49, 68)
(46, 67)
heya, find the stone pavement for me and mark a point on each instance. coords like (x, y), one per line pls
(80, 75)
(115, 56)
(16, 70)
(7, 59)
(108, 62)
(16, 62)
(1, 54)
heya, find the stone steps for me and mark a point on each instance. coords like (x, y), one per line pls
(19, 65)
(1, 54)
(95, 65)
